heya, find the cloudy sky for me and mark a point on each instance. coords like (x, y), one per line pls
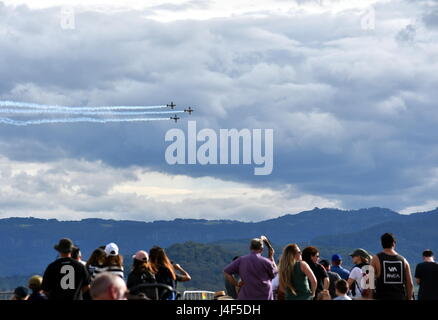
(353, 105)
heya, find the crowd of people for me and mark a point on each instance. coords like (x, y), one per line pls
(102, 277)
(300, 275)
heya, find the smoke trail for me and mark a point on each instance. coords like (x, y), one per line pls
(74, 120)
(87, 113)
(56, 107)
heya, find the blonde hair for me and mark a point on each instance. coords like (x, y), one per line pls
(287, 265)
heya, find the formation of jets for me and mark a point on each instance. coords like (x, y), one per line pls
(172, 106)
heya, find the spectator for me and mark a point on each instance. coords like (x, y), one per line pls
(341, 290)
(65, 278)
(108, 286)
(333, 277)
(35, 285)
(311, 256)
(337, 267)
(96, 260)
(231, 290)
(393, 273)
(360, 258)
(295, 275)
(113, 262)
(20, 293)
(141, 273)
(256, 273)
(165, 270)
(324, 295)
(426, 274)
(76, 254)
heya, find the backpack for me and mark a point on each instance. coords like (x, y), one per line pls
(366, 293)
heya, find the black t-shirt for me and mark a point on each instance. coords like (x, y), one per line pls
(320, 274)
(427, 272)
(64, 279)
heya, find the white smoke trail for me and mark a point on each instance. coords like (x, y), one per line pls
(74, 120)
(56, 107)
(87, 113)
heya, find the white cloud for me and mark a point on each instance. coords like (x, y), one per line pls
(75, 189)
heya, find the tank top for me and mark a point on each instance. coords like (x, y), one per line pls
(301, 285)
(391, 283)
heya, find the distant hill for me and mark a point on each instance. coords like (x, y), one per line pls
(26, 244)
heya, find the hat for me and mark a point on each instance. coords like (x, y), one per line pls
(35, 282)
(111, 249)
(360, 253)
(141, 256)
(336, 257)
(21, 292)
(65, 245)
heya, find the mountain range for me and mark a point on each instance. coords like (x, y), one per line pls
(26, 244)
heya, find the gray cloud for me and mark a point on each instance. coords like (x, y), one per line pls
(353, 111)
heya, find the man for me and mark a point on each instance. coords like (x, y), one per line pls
(333, 277)
(256, 273)
(426, 274)
(108, 286)
(341, 290)
(392, 271)
(356, 281)
(65, 278)
(76, 254)
(336, 267)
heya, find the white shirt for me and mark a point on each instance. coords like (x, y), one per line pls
(357, 274)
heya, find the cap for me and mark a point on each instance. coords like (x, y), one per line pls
(111, 249)
(336, 257)
(141, 256)
(360, 253)
(64, 245)
(21, 292)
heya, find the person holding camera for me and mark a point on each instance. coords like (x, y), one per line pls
(256, 272)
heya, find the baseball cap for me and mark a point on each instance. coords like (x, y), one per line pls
(141, 256)
(111, 249)
(336, 257)
(360, 253)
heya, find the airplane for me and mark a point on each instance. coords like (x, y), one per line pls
(171, 105)
(175, 118)
(189, 110)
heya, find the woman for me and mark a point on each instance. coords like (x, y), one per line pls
(311, 256)
(113, 262)
(96, 260)
(295, 274)
(165, 271)
(141, 273)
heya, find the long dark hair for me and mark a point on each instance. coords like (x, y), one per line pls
(158, 258)
(139, 266)
(114, 261)
(97, 258)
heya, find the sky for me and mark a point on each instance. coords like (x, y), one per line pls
(352, 103)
